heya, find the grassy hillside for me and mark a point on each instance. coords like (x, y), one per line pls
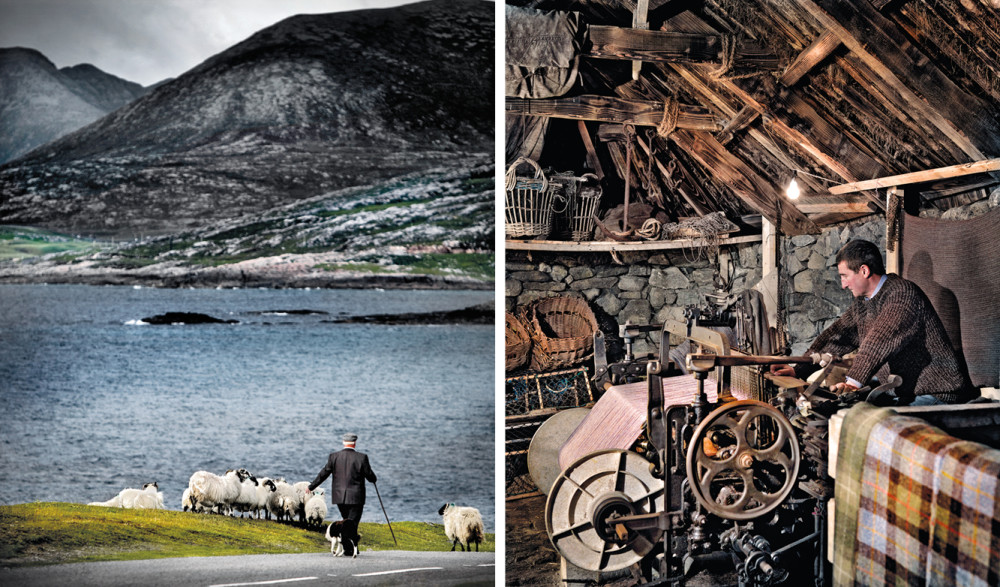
(49, 533)
(19, 242)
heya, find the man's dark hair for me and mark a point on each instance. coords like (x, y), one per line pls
(861, 252)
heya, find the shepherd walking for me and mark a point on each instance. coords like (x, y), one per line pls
(349, 470)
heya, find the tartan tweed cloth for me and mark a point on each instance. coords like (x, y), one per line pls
(925, 509)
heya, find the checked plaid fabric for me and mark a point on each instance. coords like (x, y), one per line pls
(923, 508)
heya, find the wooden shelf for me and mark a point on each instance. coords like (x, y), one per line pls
(606, 246)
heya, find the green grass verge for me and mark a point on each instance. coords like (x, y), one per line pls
(43, 533)
(24, 242)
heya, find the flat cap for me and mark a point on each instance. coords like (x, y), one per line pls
(350, 437)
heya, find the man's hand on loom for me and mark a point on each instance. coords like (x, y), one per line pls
(782, 369)
(843, 387)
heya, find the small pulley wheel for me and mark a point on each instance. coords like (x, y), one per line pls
(587, 498)
(743, 460)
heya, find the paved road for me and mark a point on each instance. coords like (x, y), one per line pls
(297, 570)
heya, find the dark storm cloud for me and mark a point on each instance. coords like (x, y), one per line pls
(146, 41)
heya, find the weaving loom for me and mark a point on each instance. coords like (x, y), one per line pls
(617, 419)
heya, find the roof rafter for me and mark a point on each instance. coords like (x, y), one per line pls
(615, 110)
(932, 92)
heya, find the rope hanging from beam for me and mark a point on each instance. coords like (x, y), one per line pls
(728, 50)
(668, 124)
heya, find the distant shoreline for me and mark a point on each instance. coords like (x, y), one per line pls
(230, 277)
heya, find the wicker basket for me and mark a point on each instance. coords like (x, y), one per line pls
(562, 332)
(583, 209)
(517, 341)
(528, 202)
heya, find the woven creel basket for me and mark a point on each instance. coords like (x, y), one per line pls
(527, 202)
(562, 332)
(517, 342)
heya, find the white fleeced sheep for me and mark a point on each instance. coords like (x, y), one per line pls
(147, 498)
(462, 525)
(289, 502)
(284, 502)
(246, 501)
(316, 509)
(302, 491)
(212, 491)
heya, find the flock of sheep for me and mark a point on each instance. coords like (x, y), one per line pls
(240, 491)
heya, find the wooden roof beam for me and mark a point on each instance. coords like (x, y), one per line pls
(819, 50)
(610, 42)
(779, 128)
(614, 110)
(847, 204)
(741, 120)
(984, 166)
(932, 93)
(757, 192)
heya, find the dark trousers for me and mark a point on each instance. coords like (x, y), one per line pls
(352, 512)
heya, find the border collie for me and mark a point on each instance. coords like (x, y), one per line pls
(336, 532)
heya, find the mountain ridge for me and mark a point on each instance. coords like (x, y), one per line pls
(309, 105)
(40, 103)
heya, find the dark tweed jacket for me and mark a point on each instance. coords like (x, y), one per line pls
(349, 469)
(897, 328)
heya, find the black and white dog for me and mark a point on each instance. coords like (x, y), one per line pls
(339, 532)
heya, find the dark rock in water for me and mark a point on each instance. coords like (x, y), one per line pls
(481, 314)
(289, 312)
(186, 318)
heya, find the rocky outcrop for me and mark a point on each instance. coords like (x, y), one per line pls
(185, 318)
(481, 314)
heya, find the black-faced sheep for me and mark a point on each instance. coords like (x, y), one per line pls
(265, 490)
(462, 525)
(246, 501)
(284, 502)
(147, 498)
(186, 504)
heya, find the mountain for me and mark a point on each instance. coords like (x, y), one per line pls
(310, 105)
(40, 103)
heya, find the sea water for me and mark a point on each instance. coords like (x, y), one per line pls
(93, 401)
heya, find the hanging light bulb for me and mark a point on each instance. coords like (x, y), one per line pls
(793, 191)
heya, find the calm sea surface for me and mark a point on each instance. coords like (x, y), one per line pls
(91, 402)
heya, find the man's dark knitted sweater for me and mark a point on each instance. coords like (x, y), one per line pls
(898, 327)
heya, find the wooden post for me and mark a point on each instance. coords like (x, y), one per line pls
(639, 21)
(768, 285)
(893, 238)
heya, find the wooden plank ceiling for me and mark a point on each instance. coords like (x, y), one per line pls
(731, 99)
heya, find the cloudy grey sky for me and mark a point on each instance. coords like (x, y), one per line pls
(146, 41)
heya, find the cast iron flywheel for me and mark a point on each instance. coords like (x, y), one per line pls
(743, 460)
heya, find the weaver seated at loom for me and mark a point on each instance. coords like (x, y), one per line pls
(895, 329)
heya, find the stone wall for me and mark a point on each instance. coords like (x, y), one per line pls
(644, 288)
(638, 288)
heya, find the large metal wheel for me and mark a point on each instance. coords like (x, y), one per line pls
(743, 460)
(543, 452)
(589, 495)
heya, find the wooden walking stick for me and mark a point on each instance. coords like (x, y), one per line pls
(385, 514)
